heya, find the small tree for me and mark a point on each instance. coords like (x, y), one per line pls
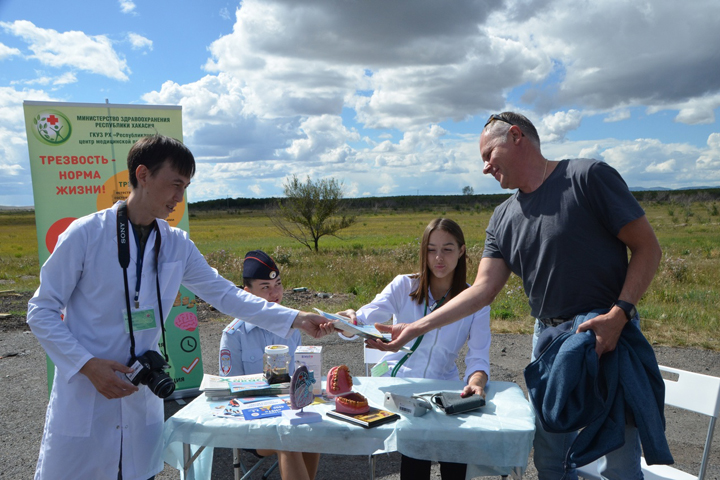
(310, 210)
(468, 190)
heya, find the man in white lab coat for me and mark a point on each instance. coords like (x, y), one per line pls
(98, 424)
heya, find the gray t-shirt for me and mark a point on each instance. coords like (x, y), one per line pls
(561, 239)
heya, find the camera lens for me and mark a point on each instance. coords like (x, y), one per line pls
(161, 385)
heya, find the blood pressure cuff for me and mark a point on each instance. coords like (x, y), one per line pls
(452, 403)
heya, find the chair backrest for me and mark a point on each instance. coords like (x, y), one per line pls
(693, 391)
(371, 356)
(690, 391)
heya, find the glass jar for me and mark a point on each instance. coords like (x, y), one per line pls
(277, 364)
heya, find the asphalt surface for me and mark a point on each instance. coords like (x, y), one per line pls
(24, 400)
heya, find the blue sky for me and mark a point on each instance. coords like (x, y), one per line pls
(387, 96)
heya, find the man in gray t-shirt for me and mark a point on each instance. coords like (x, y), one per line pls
(561, 239)
(565, 233)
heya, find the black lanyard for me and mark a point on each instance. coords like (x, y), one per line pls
(419, 339)
(123, 227)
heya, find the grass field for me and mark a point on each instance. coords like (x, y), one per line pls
(681, 308)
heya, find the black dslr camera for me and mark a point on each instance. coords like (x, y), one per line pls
(149, 369)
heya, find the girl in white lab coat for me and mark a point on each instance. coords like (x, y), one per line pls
(443, 272)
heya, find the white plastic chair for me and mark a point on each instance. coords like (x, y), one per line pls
(691, 391)
(371, 356)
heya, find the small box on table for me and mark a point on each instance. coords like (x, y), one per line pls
(311, 357)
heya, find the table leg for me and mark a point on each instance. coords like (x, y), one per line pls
(515, 474)
(371, 461)
(236, 463)
(188, 459)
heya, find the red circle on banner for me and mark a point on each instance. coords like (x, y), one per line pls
(51, 237)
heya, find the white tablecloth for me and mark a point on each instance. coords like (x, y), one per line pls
(493, 440)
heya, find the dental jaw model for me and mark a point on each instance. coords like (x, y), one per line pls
(339, 384)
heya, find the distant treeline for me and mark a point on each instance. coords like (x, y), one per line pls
(428, 202)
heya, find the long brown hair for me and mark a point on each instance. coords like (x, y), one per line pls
(459, 282)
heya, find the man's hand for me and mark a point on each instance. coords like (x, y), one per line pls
(607, 328)
(314, 325)
(402, 333)
(102, 374)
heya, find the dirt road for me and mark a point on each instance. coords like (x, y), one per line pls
(24, 399)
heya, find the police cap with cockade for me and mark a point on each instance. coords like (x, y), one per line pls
(258, 265)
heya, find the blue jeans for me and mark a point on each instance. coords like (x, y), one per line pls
(550, 449)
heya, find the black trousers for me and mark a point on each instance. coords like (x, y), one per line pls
(414, 469)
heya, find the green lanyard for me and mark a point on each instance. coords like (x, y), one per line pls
(419, 339)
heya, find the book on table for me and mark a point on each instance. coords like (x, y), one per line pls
(269, 407)
(372, 418)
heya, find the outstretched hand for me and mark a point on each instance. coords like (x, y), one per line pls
(402, 333)
(101, 373)
(314, 325)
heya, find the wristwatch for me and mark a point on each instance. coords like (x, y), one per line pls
(627, 307)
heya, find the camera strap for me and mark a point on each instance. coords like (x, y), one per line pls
(123, 236)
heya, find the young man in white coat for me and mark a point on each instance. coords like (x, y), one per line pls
(98, 424)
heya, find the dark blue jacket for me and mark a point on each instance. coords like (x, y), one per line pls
(571, 389)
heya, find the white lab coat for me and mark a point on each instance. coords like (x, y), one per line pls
(242, 347)
(439, 348)
(83, 279)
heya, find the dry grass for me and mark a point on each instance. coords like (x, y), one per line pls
(681, 308)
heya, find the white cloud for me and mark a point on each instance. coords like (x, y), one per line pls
(280, 81)
(554, 127)
(421, 65)
(127, 6)
(6, 52)
(709, 161)
(225, 14)
(325, 141)
(15, 180)
(694, 111)
(617, 115)
(139, 42)
(64, 79)
(667, 166)
(620, 53)
(212, 100)
(647, 162)
(74, 49)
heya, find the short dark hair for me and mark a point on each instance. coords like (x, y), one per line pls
(152, 151)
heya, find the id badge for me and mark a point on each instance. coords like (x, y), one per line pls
(142, 318)
(380, 369)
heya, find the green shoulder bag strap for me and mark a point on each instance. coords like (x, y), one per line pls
(419, 339)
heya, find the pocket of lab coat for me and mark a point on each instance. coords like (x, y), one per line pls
(153, 407)
(73, 406)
